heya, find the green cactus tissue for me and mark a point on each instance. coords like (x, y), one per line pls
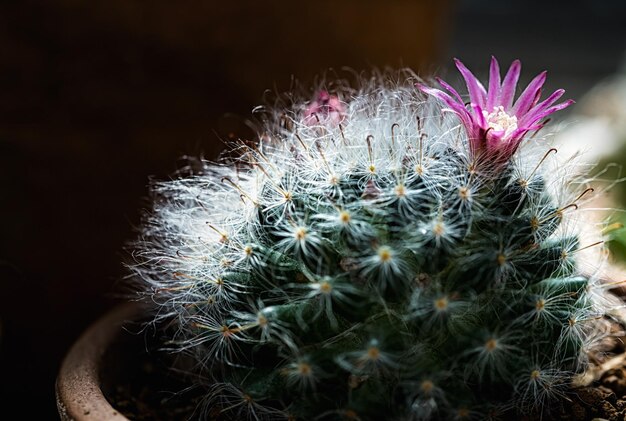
(383, 250)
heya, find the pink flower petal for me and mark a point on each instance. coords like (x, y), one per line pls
(494, 84)
(542, 105)
(450, 89)
(435, 92)
(478, 116)
(495, 139)
(507, 92)
(519, 133)
(477, 92)
(457, 107)
(528, 97)
(538, 116)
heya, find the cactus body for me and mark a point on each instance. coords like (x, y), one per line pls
(367, 263)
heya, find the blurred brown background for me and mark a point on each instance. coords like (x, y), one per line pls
(98, 97)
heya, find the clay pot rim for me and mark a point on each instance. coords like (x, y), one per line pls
(78, 390)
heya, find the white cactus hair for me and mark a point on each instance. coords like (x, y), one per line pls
(200, 225)
(207, 230)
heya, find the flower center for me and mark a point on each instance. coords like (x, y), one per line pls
(500, 121)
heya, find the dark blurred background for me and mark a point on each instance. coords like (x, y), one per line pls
(98, 97)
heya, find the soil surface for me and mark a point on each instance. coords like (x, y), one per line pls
(140, 384)
(146, 389)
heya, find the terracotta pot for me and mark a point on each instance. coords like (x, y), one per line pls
(79, 393)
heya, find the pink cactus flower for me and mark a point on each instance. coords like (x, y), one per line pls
(325, 109)
(495, 125)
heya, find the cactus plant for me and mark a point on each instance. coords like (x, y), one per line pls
(383, 251)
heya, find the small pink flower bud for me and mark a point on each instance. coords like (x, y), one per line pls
(324, 109)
